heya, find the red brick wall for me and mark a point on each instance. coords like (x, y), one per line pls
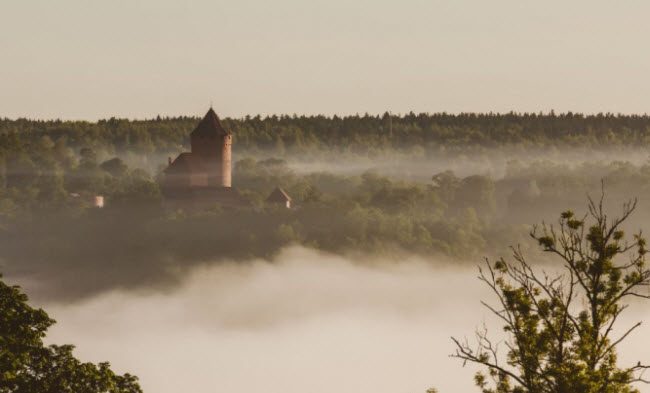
(217, 155)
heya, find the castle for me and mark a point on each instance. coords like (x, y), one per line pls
(202, 178)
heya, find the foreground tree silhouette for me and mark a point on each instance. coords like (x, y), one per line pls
(560, 327)
(27, 366)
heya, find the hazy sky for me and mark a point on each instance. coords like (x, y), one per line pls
(80, 59)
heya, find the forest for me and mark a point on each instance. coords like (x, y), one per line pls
(47, 168)
(444, 188)
(428, 134)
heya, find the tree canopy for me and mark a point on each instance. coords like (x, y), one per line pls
(28, 366)
(561, 327)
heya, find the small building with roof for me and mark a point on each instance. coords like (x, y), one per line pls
(280, 197)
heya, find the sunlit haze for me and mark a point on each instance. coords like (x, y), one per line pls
(74, 59)
(323, 196)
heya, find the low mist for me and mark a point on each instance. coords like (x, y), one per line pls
(305, 322)
(493, 162)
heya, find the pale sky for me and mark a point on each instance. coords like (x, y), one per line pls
(90, 59)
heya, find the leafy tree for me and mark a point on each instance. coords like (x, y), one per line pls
(115, 166)
(88, 176)
(476, 191)
(27, 366)
(88, 157)
(561, 327)
(63, 154)
(446, 183)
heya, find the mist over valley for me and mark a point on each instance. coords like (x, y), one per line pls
(302, 321)
(336, 196)
(285, 266)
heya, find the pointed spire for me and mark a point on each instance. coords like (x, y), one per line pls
(210, 126)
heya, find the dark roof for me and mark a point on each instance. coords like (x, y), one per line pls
(278, 195)
(187, 163)
(210, 126)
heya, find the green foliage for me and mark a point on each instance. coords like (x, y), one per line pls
(115, 166)
(561, 327)
(360, 134)
(49, 171)
(27, 366)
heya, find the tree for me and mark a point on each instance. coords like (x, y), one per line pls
(560, 327)
(446, 183)
(475, 191)
(27, 366)
(88, 176)
(115, 166)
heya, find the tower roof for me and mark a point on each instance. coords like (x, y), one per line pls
(210, 126)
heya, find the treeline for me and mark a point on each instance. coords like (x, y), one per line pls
(357, 134)
(48, 159)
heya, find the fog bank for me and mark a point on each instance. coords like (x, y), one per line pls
(308, 322)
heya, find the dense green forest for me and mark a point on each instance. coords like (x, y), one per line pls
(365, 134)
(49, 168)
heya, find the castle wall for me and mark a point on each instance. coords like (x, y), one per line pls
(183, 180)
(217, 156)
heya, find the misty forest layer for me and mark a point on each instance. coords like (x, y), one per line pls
(48, 168)
(479, 182)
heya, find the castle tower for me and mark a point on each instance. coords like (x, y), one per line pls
(213, 144)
